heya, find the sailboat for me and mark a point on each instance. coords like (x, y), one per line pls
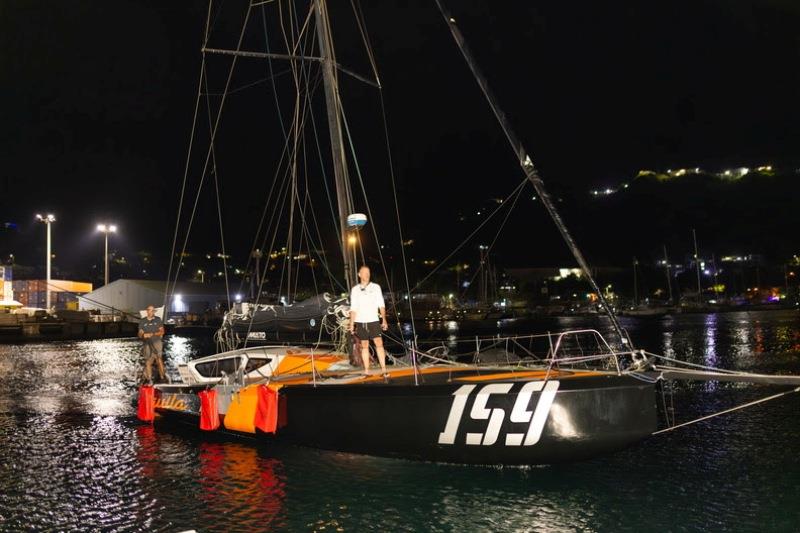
(643, 309)
(543, 398)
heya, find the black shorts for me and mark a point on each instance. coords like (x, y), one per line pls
(368, 330)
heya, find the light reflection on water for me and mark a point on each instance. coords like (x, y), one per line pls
(72, 455)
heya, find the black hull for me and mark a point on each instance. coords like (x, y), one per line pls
(409, 423)
(466, 420)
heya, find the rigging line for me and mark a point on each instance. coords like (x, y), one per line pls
(298, 110)
(320, 252)
(397, 213)
(355, 75)
(307, 78)
(334, 219)
(186, 170)
(265, 210)
(530, 171)
(304, 227)
(471, 235)
(284, 153)
(334, 281)
(210, 27)
(287, 263)
(301, 241)
(213, 136)
(302, 42)
(378, 244)
(251, 84)
(496, 236)
(366, 199)
(275, 215)
(302, 213)
(262, 276)
(321, 159)
(362, 28)
(274, 223)
(219, 202)
(296, 39)
(687, 363)
(271, 72)
(317, 246)
(726, 411)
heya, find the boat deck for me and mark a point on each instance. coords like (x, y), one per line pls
(405, 376)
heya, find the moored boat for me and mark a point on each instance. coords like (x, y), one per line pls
(575, 399)
(478, 414)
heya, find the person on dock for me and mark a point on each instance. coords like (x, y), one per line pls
(368, 317)
(151, 331)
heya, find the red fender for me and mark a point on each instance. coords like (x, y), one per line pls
(267, 410)
(209, 415)
(145, 409)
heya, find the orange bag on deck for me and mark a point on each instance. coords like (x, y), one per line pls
(145, 409)
(209, 415)
(267, 410)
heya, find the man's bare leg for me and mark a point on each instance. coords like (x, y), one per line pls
(147, 373)
(160, 363)
(365, 355)
(148, 369)
(156, 351)
(381, 353)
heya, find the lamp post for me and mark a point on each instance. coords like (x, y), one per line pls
(106, 229)
(47, 220)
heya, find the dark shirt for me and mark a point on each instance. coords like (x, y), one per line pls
(150, 325)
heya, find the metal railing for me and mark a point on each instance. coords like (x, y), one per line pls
(572, 347)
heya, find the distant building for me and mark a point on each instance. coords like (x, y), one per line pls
(133, 295)
(63, 293)
(6, 290)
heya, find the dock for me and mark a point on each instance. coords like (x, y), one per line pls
(19, 328)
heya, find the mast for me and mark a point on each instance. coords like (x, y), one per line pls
(331, 82)
(635, 284)
(697, 266)
(530, 171)
(666, 271)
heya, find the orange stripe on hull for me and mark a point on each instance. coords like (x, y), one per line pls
(534, 374)
(410, 372)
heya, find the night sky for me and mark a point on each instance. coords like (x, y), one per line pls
(97, 100)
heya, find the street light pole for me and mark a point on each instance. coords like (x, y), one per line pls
(106, 229)
(105, 262)
(47, 220)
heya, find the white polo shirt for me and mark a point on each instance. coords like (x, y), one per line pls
(366, 301)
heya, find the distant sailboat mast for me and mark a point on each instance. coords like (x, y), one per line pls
(697, 267)
(669, 277)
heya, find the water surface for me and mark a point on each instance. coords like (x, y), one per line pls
(73, 456)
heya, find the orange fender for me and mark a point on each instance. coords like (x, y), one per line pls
(241, 413)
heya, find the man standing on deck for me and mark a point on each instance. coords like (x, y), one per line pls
(151, 330)
(368, 317)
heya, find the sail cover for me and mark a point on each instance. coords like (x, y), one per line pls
(304, 316)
